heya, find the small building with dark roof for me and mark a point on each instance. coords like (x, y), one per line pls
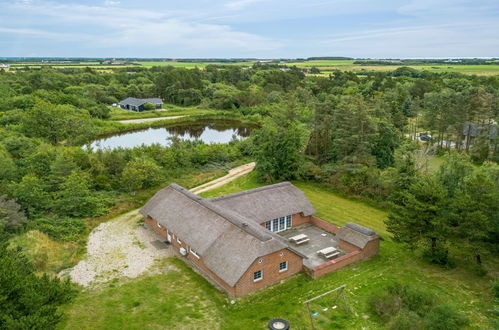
(237, 242)
(137, 105)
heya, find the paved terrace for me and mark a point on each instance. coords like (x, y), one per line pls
(319, 239)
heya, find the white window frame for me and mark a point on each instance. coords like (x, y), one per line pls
(157, 224)
(284, 269)
(279, 224)
(194, 253)
(275, 225)
(178, 240)
(260, 278)
(282, 223)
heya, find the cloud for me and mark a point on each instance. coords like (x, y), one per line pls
(240, 4)
(138, 31)
(111, 3)
(250, 28)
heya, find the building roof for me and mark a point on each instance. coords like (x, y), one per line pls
(138, 102)
(356, 234)
(227, 241)
(267, 203)
(474, 129)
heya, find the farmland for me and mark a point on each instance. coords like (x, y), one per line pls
(325, 66)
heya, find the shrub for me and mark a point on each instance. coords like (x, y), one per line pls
(418, 300)
(406, 320)
(495, 287)
(149, 106)
(444, 317)
(12, 217)
(404, 306)
(64, 229)
(385, 304)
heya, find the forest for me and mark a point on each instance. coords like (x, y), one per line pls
(358, 134)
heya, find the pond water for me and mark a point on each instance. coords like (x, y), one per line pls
(212, 132)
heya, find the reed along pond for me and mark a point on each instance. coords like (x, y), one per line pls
(220, 131)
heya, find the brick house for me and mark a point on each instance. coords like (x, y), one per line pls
(238, 242)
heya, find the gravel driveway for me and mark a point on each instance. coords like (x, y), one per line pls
(124, 247)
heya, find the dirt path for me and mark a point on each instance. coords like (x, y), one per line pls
(146, 120)
(233, 174)
(123, 247)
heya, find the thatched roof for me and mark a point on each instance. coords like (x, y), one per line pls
(356, 234)
(227, 241)
(267, 203)
(138, 102)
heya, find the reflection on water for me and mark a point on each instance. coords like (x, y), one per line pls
(219, 132)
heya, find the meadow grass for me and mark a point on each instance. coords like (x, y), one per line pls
(183, 299)
(46, 254)
(170, 110)
(176, 299)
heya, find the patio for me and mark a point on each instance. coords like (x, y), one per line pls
(319, 239)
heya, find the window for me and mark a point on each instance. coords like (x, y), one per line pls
(279, 224)
(157, 223)
(194, 253)
(268, 225)
(275, 225)
(283, 266)
(258, 276)
(282, 223)
(179, 241)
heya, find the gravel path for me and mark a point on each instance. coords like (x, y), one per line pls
(124, 247)
(146, 120)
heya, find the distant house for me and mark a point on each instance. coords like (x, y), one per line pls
(137, 105)
(2, 65)
(249, 240)
(471, 131)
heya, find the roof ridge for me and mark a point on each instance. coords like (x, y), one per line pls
(237, 220)
(252, 191)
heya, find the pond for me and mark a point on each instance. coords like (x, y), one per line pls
(208, 132)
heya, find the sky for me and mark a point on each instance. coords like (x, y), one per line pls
(249, 28)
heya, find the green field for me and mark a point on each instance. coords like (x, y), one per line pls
(182, 299)
(326, 66)
(170, 110)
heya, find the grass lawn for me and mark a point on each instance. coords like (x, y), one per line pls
(178, 299)
(171, 110)
(147, 302)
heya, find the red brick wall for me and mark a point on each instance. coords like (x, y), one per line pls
(335, 264)
(154, 225)
(348, 247)
(327, 226)
(371, 248)
(299, 219)
(271, 274)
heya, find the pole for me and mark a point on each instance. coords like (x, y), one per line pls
(310, 317)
